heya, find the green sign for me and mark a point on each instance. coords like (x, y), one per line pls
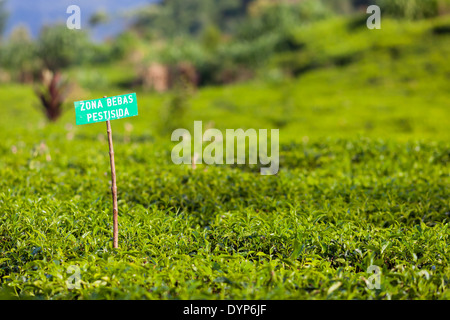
(111, 108)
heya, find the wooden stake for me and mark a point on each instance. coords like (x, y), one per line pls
(113, 186)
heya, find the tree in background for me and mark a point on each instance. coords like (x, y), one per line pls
(414, 9)
(172, 18)
(268, 29)
(98, 18)
(18, 55)
(59, 47)
(349, 6)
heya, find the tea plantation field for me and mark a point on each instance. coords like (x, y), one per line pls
(364, 180)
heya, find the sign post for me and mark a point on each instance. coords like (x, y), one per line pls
(113, 186)
(107, 109)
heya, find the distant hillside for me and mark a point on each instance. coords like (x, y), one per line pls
(34, 14)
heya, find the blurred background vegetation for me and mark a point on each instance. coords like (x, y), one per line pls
(217, 41)
(177, 46)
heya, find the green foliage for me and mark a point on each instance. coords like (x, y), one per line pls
(18, 54)
(123, 45)
(182, 49)
(281, 18)
(172, 18)
(175, 109)
(257, 38)
(211, 38)
(60, 47)
(413, 9)
(363, 180)
(254, 43)
(337, 206)
(98, 18)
